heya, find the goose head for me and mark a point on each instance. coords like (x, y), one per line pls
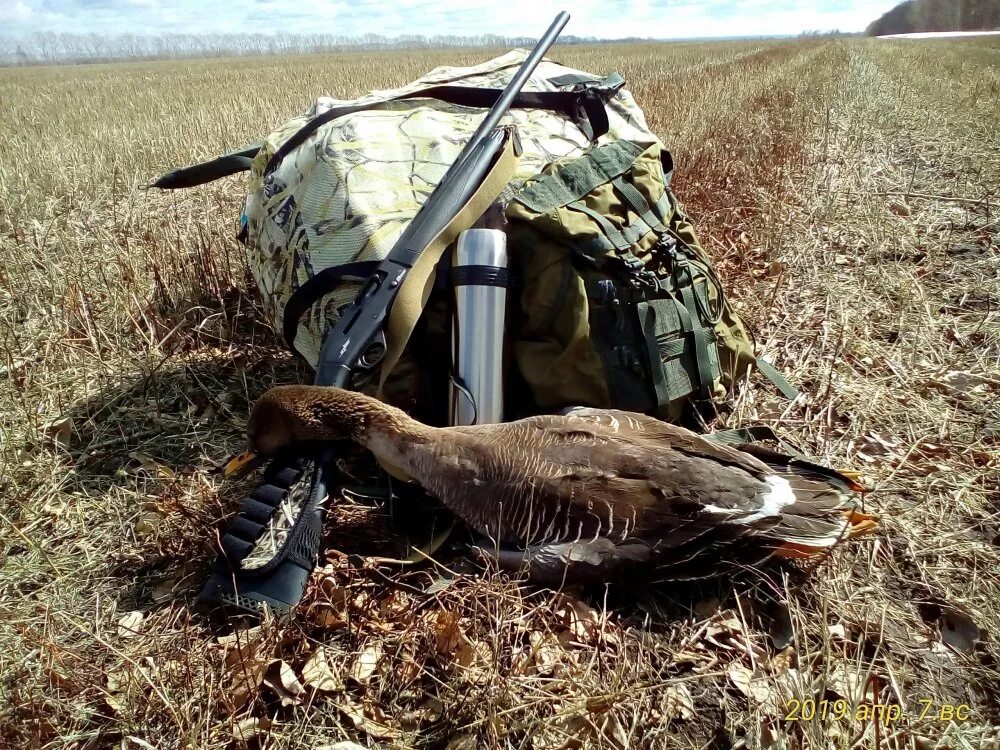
(284, 415)
(289, 414)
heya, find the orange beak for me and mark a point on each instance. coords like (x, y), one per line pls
(241, 464)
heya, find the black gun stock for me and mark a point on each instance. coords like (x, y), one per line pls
(356, 342)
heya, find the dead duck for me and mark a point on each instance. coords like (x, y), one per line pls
(587, 493)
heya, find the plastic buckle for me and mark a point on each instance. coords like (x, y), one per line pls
(606, 292)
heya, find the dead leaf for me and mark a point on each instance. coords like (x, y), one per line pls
(371, 720)
(747, 683)
(57, 433)
(546, 652)
(329, 617)
(677, 702)
(581, 620)
(448, 635)
(318, 674)
(246, 677)
(463, 742)
(761, 689)
(849, 682)
(613, 729)
(149, 521)
(280, 677)
(128, 625)
(428, 712)
(151, 465)
(332, 611)
(251, 728)
(367, 662)
(473, 653)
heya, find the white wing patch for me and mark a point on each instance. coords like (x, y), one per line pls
(779, 495)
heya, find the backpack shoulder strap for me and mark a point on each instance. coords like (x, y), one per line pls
(207, 171)
(584, 105)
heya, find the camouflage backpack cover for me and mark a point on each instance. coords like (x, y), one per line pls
(616, 303)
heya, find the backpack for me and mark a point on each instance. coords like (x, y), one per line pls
(616, 304)
(620, 306)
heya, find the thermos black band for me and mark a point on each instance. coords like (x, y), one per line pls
(480, 276)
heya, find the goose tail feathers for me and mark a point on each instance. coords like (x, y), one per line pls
(822, 515)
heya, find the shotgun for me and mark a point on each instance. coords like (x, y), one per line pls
(357, 342)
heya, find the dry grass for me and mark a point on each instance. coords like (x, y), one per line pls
(849, 190)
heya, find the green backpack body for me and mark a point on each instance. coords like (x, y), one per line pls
(619, 306)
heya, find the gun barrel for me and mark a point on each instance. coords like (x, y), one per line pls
(363, 319)
(516, 83)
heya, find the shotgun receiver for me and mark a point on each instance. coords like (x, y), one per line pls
(357, 342)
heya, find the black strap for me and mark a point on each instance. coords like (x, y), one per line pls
(753, 434)
(315, 289)
(584, 107)
(207, 171)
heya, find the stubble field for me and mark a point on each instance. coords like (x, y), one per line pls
(849, 191)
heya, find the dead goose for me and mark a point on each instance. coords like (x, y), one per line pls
(585, 493)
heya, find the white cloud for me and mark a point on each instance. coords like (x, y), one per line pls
(16, 12)
(663, 19)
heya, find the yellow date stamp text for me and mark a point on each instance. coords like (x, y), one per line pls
(808, 709)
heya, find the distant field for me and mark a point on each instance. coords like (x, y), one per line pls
(850, 192)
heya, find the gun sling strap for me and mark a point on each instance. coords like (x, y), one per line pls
(417, 285)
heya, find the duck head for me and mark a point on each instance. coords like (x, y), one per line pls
(292, 413)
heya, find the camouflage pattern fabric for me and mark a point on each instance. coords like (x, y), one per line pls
(348, 191)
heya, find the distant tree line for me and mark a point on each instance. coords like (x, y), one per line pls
(47, 47)
(938, 15)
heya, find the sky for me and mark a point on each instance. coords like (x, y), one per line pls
(608, 19)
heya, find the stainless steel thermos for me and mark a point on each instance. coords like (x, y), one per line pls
(479, 277)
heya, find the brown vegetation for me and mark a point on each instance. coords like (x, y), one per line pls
(850, 196)
(938, 15)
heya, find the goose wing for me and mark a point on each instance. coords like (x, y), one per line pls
(555, 479)
(640, 427)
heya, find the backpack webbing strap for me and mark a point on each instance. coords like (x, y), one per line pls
(777, 379)
(584, 107)
(639, 204)
(313, 290)
(417, 285)
(575, 179)
(207, 171)
(617, 240)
